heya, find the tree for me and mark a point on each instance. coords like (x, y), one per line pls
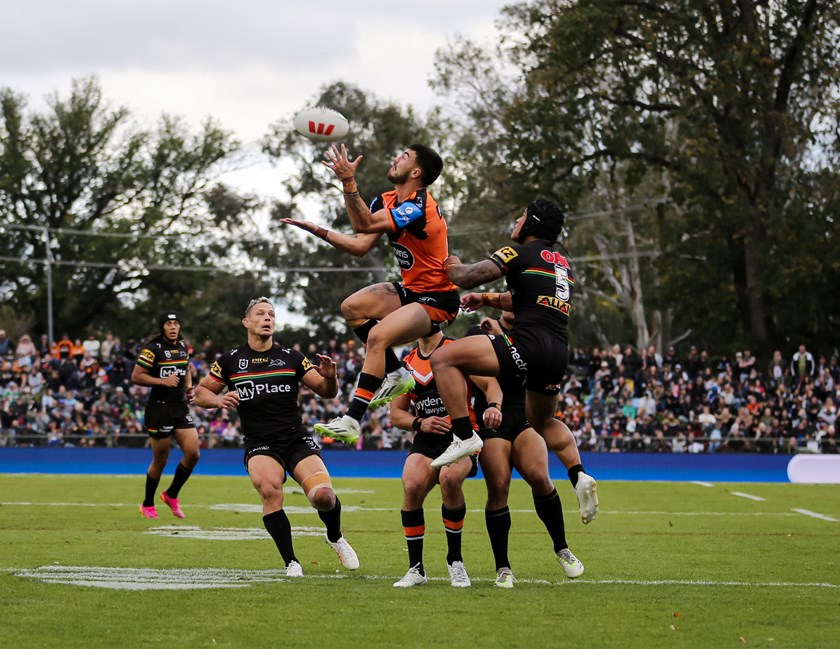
(120, 205)
(733, 104)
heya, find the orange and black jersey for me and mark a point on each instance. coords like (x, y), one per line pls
(541, 283)
(162, 359)
(419, 239)
(425, 396)
(268, 383)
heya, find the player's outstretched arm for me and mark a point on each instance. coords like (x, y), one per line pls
(362, 219)
(471, 275)
(357, 245)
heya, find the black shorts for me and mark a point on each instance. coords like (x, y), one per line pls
(163, 418)
(441, 307)
(513, 423)
(288, 452)
(431, 445)
(537, 357)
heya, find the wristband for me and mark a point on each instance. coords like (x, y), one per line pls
(322, 233)
(492, 299)
(497, 406)
(415, 425)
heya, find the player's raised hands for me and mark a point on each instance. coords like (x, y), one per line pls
(339, 162)
(327, 366)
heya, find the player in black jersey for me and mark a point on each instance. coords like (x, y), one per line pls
(422, 410)
(540, 283)
(262, 379)
(514, 444)
(163, 366)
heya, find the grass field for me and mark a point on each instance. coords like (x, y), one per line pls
(667, 565)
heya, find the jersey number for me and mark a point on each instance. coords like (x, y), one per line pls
(562, 279)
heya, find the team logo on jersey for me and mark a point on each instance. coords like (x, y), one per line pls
(506, 254)
(276, 362)
(243, 363)
(167, 353)
(405, 260)
(554, 302)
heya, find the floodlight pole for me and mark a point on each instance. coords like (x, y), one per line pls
(48, 259)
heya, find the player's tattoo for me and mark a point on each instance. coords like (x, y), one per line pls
(385, 287)
(471, 275)
(357, 210)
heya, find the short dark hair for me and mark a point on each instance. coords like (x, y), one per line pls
(429, 161)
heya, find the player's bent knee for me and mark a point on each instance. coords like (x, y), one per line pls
(319, 491)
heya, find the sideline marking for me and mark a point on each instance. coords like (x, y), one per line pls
(204, 578)
(702, 484)
(225, 533)
(750, 496)
(822, 517)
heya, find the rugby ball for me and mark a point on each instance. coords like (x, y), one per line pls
(321, 124)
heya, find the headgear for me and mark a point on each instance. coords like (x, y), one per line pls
(544, 220)
(165, 317)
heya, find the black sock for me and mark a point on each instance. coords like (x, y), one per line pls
(573, 473)
(392, 363)
(550, 512)
(368, 385)
(414, 528)
(151, 488)
(453, 521)
(462, 428)
(280, 529)
(332, 519)
(178, 480)
(498, 529)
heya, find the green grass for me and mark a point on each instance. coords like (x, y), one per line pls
(667, 565)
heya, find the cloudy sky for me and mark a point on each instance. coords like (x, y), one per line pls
(246, 63)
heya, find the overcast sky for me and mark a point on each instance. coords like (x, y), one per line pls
(246, 63)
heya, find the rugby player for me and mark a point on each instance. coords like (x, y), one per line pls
(540, 283)
(163, 366)
(422, 411)
(263, 379)
(514, 444)
(391, 313)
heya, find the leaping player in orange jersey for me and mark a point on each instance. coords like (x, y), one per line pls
(391, 313)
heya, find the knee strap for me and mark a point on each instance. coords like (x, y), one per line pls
(318, 480)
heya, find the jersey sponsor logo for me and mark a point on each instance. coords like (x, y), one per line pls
(506, 254)
(243, 363)
(249, 390)
(311, 443)
(554, 303)
(553, 257)
(521, 365)
(216, 368)
(169, 371)
(147, 354)
(432, 405)
(307, 365)
(405, 260)
(257, 361)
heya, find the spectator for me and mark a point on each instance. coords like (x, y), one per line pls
(92, 346)
(802, 365)
(5, 344)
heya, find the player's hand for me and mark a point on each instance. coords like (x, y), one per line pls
(471, 301)
(170, 381)
(435, 425)
(303, 225)
(229, 400)
(327, 366)
(491, 326)
(190, 393)
(492, 417)
(339, 162)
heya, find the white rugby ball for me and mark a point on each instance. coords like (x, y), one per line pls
(321, 124)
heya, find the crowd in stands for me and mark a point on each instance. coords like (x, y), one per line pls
(79, 393)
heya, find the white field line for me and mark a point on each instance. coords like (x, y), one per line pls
(750, 496)
(254, 508)
(702, 484)
(822, 517)
(192, 578)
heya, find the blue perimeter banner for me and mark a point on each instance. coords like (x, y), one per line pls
(388, 464)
